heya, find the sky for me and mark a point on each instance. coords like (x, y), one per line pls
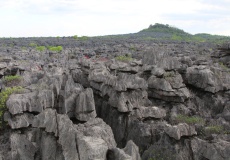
(44, 18)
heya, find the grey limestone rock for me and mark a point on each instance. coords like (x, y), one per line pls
(150, 112)
(167, 149)
(130, 152)
(118, 154)
(99, 129)
(218, 150)
(153, 56)
(45, 99)
(124, 66)
(99, 73)
(80, 77)
(159, 56)
(132, 82)
(85, 106)
(92, 148)
(169, 63)
(143, 130)
(168, 88)
(68, 94)
(120, 82)
(158, 72)
(49, 148)
(127, 101)
(67, 137)
(207, 79)
(48, 120)
(19, 103)
(19, 121)
(159, 84)
(54, 117)
(3, 65)
(21, 147)
(180, 130)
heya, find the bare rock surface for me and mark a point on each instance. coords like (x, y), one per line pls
(110, 99)
(180, 130)
(217, 150)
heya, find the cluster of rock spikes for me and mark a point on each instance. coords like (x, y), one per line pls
(164, 106)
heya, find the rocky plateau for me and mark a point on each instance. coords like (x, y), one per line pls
(170, 101)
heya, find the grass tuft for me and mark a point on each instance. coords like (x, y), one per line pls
(189, 119)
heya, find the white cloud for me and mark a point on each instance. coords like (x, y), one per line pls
(91, 17)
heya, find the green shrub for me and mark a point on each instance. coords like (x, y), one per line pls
(149, 38)
(12, 80)
(41, 48)
(189, 119)
(215, 129)
(223, 66)
(4, 95)
(75, 37)
(168, 74)
(33, 44)
(124, 58)
(165, 28)
(132, 48)
(83, 38)
(55, 49)
(176, 37)
(23, 48)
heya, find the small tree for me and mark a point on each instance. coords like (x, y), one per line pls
(4, 95)
(33, 44)
(41, 48)
(55, 49)
(75, 37)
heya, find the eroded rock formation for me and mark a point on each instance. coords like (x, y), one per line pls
(169, 105)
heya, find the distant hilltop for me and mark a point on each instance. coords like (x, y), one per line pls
(157, 33)
(166, 28)
(168, 32)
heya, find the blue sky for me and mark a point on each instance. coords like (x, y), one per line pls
(30, 18)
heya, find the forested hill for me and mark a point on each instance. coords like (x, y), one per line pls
(167, 32)
(164, 29)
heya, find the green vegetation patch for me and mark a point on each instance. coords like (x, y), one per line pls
(23, 48)
(189, 119)
(124, 58)
(168, 74)
(177, 34)
(176, 37)
(223, 66)
(133, 48)
(157, 27)
(83, 38)
(215, 129)
(41, 48)
(33, 44)
(75, 37)
(4, 95)
(12, 80)
(55, 48)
